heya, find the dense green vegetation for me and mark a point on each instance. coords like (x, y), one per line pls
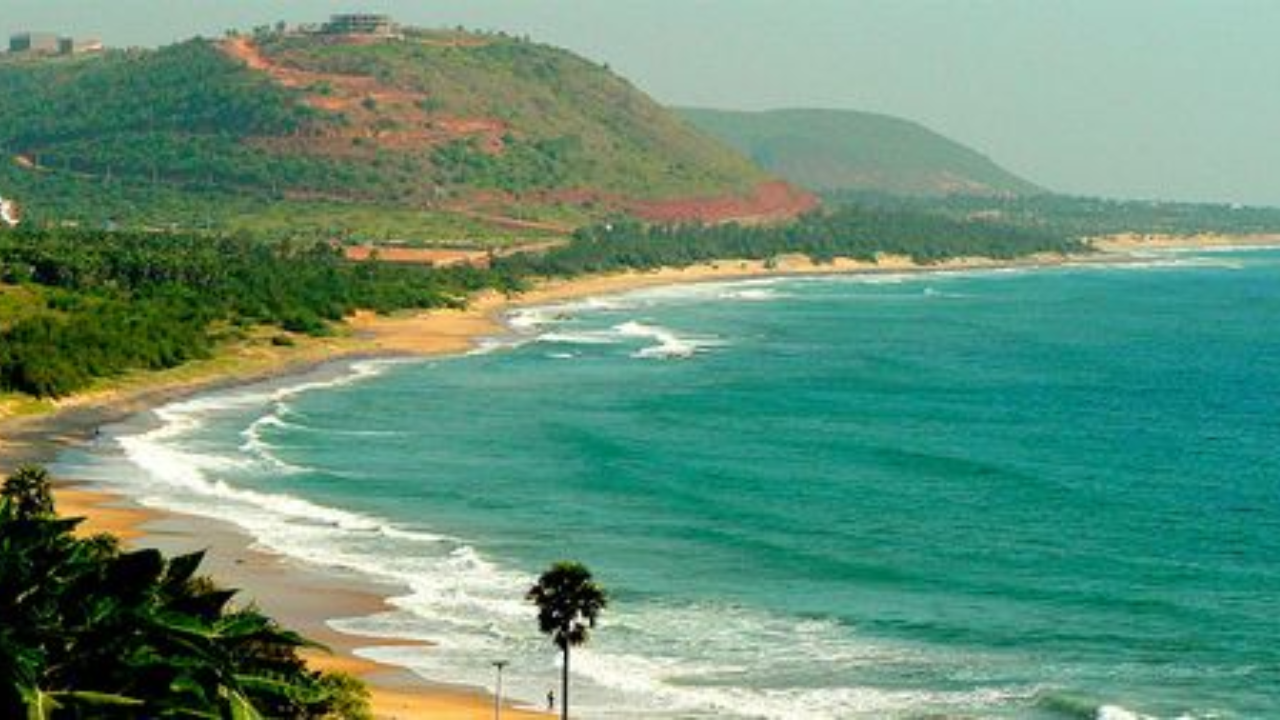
(1079, 216)
(91, 203)
(849, 233)
(176, 119)
(189, 88)
(828, 150)
(98, 304)
(523, 165)
(189, 137)
(88, 630)
(590, 127)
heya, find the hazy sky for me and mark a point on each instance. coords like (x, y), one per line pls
(1134, 98)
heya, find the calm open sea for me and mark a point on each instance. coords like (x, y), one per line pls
(1050, 493)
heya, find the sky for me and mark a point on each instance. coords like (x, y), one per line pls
(1154, 99)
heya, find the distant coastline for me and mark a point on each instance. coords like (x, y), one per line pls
(305, 598)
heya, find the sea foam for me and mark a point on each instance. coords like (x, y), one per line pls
(650, 659)
(667, 344)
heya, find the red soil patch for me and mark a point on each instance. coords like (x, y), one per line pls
(390, 116)
(385, 117)
(438, 257)
(769, 202)
(444, 257)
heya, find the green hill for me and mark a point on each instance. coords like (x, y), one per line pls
(833, 150)
(436, 134)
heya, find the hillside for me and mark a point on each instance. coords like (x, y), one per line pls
(836, 150)
(435, 135)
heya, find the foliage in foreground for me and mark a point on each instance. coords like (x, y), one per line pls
(90, 630)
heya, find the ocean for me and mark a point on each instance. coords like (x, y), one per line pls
(1048, 493)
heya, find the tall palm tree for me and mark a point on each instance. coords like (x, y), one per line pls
(569, 604)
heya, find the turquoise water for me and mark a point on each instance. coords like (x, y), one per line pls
(1049, 493)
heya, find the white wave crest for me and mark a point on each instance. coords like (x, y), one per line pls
(255, 442)
(1115, 712)
(650, 660)
(584, 337)
(754, 295)
(668, 345)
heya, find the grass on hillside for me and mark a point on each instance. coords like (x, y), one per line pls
(604, 133)
(190, 137)
(138, 204)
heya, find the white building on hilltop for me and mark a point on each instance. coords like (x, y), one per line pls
(361, 25)
(9, 213)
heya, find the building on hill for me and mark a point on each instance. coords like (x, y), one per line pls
(361, 24)
(34, 42)
(78, 46)
(38, 43)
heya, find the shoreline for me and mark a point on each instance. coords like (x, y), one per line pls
(306, 598)
(301, 597)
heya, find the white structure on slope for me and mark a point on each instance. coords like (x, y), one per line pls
(9, 214)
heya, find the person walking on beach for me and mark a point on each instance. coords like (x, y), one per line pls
(551, 701)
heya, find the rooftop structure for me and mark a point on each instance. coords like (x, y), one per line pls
(78, 46)
(360, 24)
(40, 43)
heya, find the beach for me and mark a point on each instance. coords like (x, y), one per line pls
(302, 598)
(1133, 242)
(306, 598)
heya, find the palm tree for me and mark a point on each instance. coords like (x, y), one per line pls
(102, 632)
(569, 604)
(29, 491)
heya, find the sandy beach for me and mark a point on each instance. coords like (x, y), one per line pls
(1134, 242)
(306, 598)
(303, 598)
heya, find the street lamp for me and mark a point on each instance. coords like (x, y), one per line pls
(498, 665)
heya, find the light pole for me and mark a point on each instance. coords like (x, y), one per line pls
(498, 665)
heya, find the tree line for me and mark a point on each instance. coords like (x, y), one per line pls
(860, 234)
(109, 302)
(1076, 215)
(105, 303)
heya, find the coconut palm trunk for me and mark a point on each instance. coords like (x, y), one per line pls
(564, 686)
